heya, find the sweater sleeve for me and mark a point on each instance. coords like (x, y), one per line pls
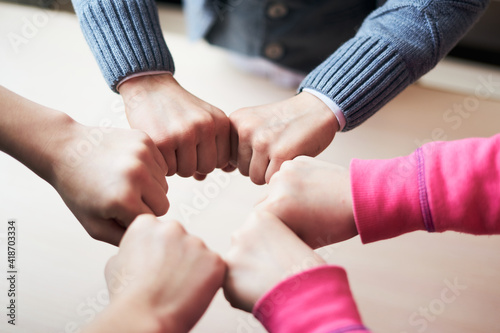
(315, 301)
(441, 186)
(395, 46)
(124, 36)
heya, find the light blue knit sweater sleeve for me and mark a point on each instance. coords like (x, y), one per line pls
(124, 36)
(396, 45)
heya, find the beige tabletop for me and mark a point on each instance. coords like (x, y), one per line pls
(399, 284)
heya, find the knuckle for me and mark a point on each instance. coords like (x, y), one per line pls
(142, 152)
(286, 167)
(231, 257)
(143, 221)
(94, 231)
(123, 199)
(245, 132)
(218, 265)
(174, 227)
(223, 125)
(186, 136)
(195, 243)
(142, 137)
(238, 115)
(136, 171)
(302, 159)
(281, 152)
(261, 143)
(201, 120)
(207, 130)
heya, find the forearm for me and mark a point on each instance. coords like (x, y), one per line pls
(124, 36)
(318, 300)
(442, 186)
(395, 46)
(126, 317)
(31, 133)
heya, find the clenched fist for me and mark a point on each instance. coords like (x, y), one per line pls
(265, 136)
(192, 135)
(313, 198)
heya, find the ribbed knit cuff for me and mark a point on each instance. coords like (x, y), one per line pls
(386, 197)
(316, 300)
(124, 36)
(360, 77)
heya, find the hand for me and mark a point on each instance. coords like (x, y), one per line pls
(314, 199)
(163, 272)
(263, 253)
(263, 137)
(118, 176)
(192, 135)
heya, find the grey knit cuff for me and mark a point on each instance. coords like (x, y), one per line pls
(360, 77)
(124, 36)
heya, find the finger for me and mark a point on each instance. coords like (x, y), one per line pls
(158, 157)
(229, 168)
(171, 160)
(258, 167)
(207, 156)
(158, 173)
(124, 215)
(233, 157)
(186, 160)
(155, 198)
(199, 176)
(223, 145)
(274, 166)
(107, 231)
(244, 158)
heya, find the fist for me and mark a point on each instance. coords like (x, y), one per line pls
(192, 135)
(263, 137)
(176, 282)
(313, 198)
(263, 253)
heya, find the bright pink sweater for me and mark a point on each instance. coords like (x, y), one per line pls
(441, 186)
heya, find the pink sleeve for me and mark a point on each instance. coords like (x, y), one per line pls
(441, 186)
(315, 301)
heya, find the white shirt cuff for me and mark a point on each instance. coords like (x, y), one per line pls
(331, 104)
(141, 74)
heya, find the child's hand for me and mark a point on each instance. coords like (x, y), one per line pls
(161, 280)
(163, 273)
(314, 199)
(263, 253)
(192, 135)
(263, 137)
(110, 181)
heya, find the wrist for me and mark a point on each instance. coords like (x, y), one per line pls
(132, 86)
(140, 90)
(146, 316)
(316, 104)
(128, 316)
(64, 149)
(44, 146)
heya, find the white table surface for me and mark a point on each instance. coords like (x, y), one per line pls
(60, 281)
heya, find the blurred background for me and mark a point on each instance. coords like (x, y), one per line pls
(481, 44)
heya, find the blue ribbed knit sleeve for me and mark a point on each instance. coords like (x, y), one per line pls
(395, 46)
(124, 36)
